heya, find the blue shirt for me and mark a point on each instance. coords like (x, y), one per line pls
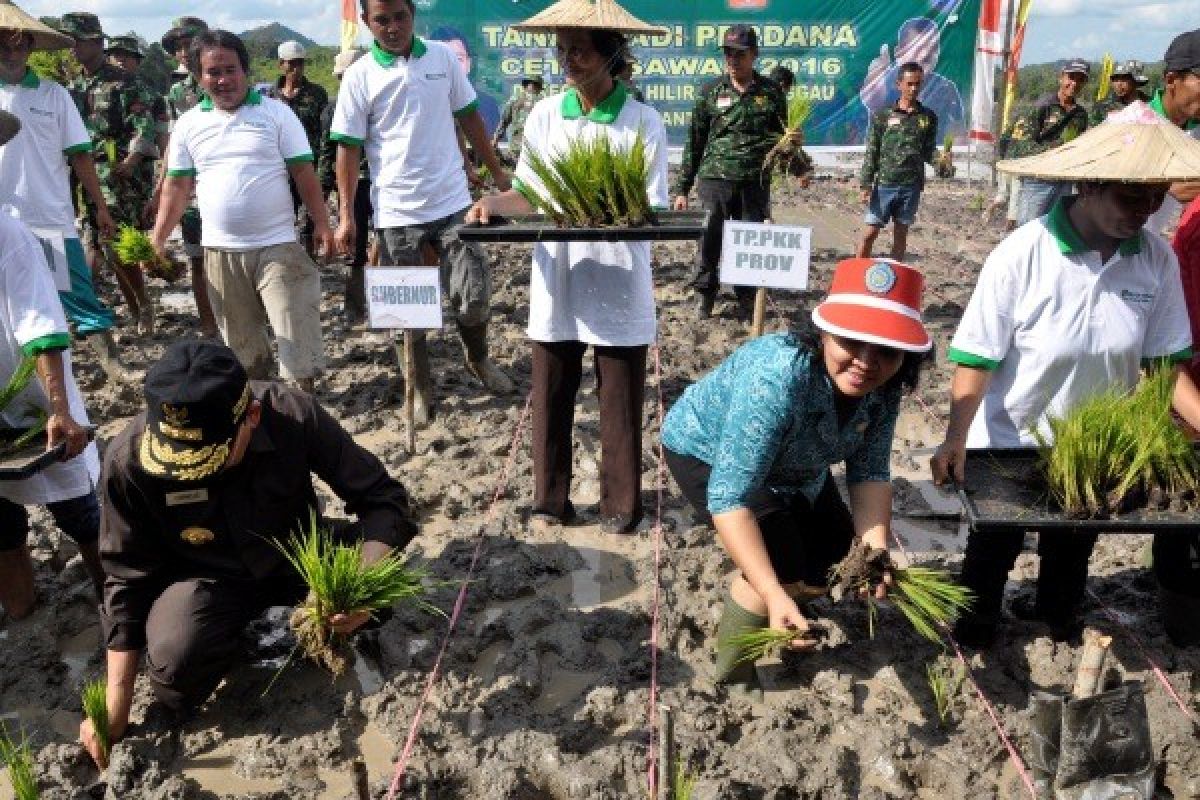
(765, 418)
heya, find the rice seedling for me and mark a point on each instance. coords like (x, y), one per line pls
(683, 783)
(945, 681)
(18, 382)
(95, 708)
(339, 583)
(943, 164)
(788, 156)
(133, 246)
(17, 758)
(28, 436)
(1116, 449)
(758, 644)
(593, 184)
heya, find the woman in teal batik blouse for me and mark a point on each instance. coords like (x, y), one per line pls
(750, 445)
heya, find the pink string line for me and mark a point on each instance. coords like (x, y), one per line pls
(652, 709)
(1154, 667)
(460, 601)
(1014, 756)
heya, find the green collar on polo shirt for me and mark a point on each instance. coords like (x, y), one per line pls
(1156, 103)
(385, 59)
(29, 80)
(1069, 240)
(252, 98)
(606, 110)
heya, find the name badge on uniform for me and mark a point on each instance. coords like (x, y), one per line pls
(724, 101)
(197, 536)
(187, 498)
(892, 121)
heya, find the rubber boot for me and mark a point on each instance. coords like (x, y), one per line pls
(474, 338)
(17, 594)
(730, 669)
(420, 376)
(105, 350)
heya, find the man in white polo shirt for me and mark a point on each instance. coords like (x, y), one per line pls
(34, 173)
(1179, 101)
(238, 148)
(401, 103)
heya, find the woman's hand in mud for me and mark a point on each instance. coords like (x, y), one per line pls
(91, 743)
(881, 590)
(783, 614)
(346, 624)
(948, 462)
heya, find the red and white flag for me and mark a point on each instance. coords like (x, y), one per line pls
(349, 24)
(989, 56)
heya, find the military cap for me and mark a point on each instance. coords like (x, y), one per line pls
(181, 27)
(125, 44)
(1131, 69)
(1077, 66)
(537, 80)
(1183, 54)
(81, 25)
(740, 37)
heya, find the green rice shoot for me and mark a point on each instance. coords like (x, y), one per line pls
(133, 246)
(95, 708)
(17, 757)
(18, 382)
(788, 156)
(1116, 447)
(339, 583)
(683, 783)
(756, 645)
(929, 599)
(593, 184)
(945, 681)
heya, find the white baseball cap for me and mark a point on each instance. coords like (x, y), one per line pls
(290, 51)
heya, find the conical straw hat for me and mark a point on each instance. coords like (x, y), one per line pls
(1135, 145)
(593, 14)
(44, 37)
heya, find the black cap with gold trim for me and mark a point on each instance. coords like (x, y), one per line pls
(196, 398)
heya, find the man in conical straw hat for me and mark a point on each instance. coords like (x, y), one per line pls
(34, 174)
(585, 293)
(1068, 306)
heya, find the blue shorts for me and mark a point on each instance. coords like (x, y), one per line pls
(893, 202)
(83, 308)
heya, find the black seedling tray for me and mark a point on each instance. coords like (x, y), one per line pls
(1004, 491)
(669, 225)
(30, 459)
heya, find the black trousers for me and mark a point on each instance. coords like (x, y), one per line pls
(1062, 575)
(749, 201)
(804, 540)
(1177, 562)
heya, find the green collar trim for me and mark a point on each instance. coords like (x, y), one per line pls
(386, 59)
(1068, 239)
(29, 80)
(605, 112)
(1156, 103)
(252, 98)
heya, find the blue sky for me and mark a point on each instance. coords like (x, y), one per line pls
(1058, 28)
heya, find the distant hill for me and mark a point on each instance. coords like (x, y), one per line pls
(268, 37)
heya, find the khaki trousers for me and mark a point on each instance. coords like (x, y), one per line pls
(279, 285)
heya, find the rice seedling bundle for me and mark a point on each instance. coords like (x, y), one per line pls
(593, 184)
(1117, 450)
(945, 681)
(95, 708)
(18, 382)
(755, 645)
(17, 758)
(788, 156)
(339, 583)
(133, 246)
(943, 164)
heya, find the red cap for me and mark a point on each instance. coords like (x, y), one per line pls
(875, 300)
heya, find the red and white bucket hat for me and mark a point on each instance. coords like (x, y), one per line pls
(875, 300)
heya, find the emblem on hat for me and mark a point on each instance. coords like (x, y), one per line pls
(197, 536)
(880, 277)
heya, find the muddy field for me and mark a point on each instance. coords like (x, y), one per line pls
(546, 681)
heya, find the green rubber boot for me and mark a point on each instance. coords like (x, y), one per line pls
(730, 670)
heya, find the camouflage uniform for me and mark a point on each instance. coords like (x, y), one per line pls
(307, 104)
(1102, 109)
(726, 147)
(1046, 126)
(899, 145)
(516, 111)
(183, 95)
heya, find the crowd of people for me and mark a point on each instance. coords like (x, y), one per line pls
(175, 527)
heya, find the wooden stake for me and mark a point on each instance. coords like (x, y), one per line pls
(410, 392)
(362, 786)
(666, 753)
(1090, 677)
(760, 313)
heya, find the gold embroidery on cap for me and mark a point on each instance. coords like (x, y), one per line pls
(183, 434)
(147, 460)
(176, 415)
(242, 402)
(197, 536)
(184, 465)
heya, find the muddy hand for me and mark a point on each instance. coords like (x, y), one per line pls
(346, 624)
(62, 428)
(90, 742)
(948, 463)
(681, 203)
(784, 615)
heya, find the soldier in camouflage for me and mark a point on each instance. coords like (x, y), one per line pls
(183, 95)
(307, 100)
(516, 111)
(900, 142)
(737, 120)
(1126, 78)
(117, 111)
(1054, 120)
(128, 53)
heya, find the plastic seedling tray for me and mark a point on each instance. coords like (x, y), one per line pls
(1004, 491)
(669, 225)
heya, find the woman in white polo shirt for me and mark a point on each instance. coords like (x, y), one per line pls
(588, 293)
(1066, 307)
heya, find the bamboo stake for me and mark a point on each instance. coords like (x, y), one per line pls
(1091, 664)
(362, 786)
(410, 392)
(760, 313)
(666, 753)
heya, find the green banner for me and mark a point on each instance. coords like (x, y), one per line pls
(844, 54)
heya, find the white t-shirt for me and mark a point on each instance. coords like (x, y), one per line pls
(595, 292)
(34, 175)
(240, 161)
(1167, 217)
(30, 311)
(1055, 326)
(402, 112)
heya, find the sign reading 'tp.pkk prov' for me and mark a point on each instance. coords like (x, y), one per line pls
(404, 298)
(771, 256)
(844, 53)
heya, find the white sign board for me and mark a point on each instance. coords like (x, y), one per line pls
(773, 256)
(54, 245)
(404, 298)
